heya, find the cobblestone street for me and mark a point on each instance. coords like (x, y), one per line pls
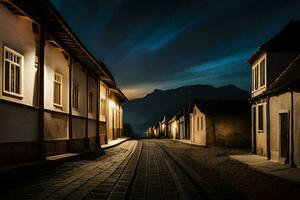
(153, 169)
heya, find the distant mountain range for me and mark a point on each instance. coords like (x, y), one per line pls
(144, 112)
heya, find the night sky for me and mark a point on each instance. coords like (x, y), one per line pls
(149, 44)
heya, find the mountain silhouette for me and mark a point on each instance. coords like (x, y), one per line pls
(144, 112)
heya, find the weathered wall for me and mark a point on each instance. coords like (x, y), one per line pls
(78, 128)
(261, 136)
(296, 97)
(278, 104)
(18, 124)
(199, 135)
(103, 132)
(233, 130)
(56, 126)
(92, 125)
(16, 33)
(55, 61)
(79, 76)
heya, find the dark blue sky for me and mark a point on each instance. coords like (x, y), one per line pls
(164, 44)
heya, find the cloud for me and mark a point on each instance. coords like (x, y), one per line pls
(163, 44)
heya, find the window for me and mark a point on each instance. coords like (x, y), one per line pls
(256, 77)
(198, 123)
(262, 72)
(201, 123)
(75, 95)
(259, 75)
(253, 80)
(57, 96)
(260, 119)
(90, 104)
(12, 74)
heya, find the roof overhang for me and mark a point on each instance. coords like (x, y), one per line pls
(48, 17)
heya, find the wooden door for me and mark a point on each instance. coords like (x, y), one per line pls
(284, 135)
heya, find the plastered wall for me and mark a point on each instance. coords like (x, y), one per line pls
(16, 33)
(55, 61)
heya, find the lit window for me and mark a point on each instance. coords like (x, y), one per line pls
(75, 95)
(90, 104)
(12, 74)
(260, 119)
(57, 96)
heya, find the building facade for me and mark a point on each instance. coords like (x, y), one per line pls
(54, 96)
(222, 123)
(275, 97)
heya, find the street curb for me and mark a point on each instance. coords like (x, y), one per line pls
(108, 147)
(265, 173)
(192, 144)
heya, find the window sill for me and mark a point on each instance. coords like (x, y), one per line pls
(260, 131)
(14, 95)
(259, 89)
(57, 106)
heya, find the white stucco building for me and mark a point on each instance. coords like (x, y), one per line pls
(55, 97)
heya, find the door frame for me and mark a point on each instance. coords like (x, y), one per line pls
(284, 160)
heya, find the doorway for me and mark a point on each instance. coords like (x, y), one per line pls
(254, 130)
(284, 136)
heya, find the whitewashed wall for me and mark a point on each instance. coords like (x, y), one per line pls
(16, 33)
(199, 136)
(55, 62)
(19, 124)
(297, 128)
(79, 75)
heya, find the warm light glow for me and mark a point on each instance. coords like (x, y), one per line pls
(112, 103)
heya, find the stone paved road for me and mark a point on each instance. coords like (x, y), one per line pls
(136, 169)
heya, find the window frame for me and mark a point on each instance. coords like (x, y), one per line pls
(90, 102)
(60, 84)
(21, 69)
(258, 119)
(75, 96)
(257, 76)
(262, 69)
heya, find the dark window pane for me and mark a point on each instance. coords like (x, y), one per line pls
(12, 78)
(18, 80)
(260, 118)
(6, 76)
(262, 72)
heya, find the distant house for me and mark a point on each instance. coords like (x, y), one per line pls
(275, 97)
(220, 122)
(163, 127)
(172, 129)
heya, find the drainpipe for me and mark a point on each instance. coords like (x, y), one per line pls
(292, 164)
(97, 115)
(42, 151)
(268, 129)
